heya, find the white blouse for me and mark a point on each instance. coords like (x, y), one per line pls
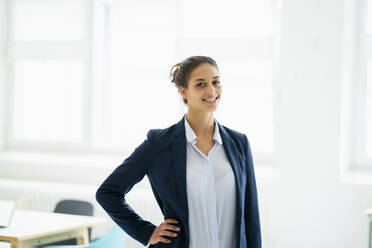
(211, 194)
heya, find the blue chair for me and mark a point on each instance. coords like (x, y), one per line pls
(115, 238)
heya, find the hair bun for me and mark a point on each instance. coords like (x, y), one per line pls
(174, 71)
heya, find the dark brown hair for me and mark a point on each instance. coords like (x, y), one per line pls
(181, 75)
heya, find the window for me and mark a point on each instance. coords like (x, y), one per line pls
(363, 97)
(356, 97)
(93, 75)
(48, 54)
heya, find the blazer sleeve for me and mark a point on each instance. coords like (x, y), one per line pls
(251, 213)
(111, 194)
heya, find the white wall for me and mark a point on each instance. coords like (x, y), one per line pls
(307, 206)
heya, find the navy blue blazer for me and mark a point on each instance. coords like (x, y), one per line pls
(162, 157)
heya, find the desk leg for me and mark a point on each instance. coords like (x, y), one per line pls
(14, 245)
(82, 237)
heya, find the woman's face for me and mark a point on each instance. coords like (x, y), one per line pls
(204, 89)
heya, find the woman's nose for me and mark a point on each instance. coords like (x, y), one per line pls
(210, 89)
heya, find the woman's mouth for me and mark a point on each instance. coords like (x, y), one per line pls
(211, 100)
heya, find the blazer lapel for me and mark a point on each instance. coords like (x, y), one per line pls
(179, 163)
(232, 155)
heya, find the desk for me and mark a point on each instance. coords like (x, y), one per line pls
(31, 228)
(369, 213)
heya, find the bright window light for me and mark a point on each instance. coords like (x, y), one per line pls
(48, 20)
(48, 103)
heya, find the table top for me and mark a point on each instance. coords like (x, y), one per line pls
(27, 224)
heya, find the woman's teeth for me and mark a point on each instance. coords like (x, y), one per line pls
(211, 99)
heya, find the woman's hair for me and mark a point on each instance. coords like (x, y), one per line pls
(181, 75)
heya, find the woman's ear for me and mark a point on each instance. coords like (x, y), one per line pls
(183, 92)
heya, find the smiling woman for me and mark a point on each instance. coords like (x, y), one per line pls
(201, 174)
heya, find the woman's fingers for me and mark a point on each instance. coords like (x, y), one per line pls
(164, 229)
(171, 227)
(164, 240)
(167, 233)
(170, 221)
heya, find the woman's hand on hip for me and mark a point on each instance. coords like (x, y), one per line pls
(164, 229)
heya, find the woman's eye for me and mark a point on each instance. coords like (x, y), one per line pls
(203, 84)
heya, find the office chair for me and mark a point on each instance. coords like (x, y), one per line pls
(74, 207)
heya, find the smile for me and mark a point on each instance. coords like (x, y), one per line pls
(211, 100)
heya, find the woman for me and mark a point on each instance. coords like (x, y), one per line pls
(200, 172)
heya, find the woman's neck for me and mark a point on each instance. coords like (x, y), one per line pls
(202, 123)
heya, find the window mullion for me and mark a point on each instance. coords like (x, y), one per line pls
(88, 98)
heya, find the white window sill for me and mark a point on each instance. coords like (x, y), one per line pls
(60, 159)
(73, 168)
